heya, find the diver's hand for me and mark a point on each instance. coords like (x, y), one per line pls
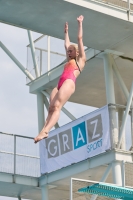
(80, 18)
(66, 28)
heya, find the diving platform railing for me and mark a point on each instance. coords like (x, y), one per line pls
(19, 155)
(46, 56)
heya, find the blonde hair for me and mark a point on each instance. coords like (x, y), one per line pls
(75, 46)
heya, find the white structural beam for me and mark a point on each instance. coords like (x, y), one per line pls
(41, 118)
(120, 118)
(40, 109)
(110, 95)
(125, 116)
(120, 80)
(33, 53)
(116, 167)
(53, 52)
(68, 113)
(63, 109)
(131, 148)
(103, 179)
(117, 178)
(25, 71)
(109, 82)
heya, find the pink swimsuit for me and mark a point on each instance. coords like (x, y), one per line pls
(68, 72)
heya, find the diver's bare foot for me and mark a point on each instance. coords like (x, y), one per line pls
(41, 136)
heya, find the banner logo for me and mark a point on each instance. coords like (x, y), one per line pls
(79, 135)
(95, 128)
(65, 139)
(52, 146)
(70, 140)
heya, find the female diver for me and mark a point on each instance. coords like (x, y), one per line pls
(66, 86)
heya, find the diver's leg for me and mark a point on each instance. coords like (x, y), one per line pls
(64, 93)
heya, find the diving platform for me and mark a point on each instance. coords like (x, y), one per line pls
(102, 19)
(26, 183)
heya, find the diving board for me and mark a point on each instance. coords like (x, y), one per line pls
(108, 190)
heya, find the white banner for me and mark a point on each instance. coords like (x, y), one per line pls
(81, 139)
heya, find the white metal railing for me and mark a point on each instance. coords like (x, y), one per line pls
(19, 155)
(125, 4)
(49, 53)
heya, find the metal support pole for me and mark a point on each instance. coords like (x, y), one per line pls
(44, 190)
(120, 117)
(41, 119)
(33, 53)
(116, 169)
(110, 95)
(68, 113)
(63, 109)
(131, 148)
(40, 109)
(25, 71)
(111, 99)
(71, 189)
(48, 46)
(14, 158)
(125, 115)
(128, 11)
(19, 198)
(103, 179)
(47, 107)
(120, 80)
(117, 173)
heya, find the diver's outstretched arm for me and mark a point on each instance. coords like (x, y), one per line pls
(67, 40)
(80, 38)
